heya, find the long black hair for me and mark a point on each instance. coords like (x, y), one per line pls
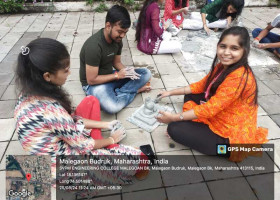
(141, 22)
(244, 42)
(177, 3)
(237, 4)
(44, 55)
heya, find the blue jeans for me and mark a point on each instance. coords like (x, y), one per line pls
(114, 96)
(270, 38)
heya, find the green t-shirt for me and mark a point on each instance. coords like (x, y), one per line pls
(212, 9)
(97, 52)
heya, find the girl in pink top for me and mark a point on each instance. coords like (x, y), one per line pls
(174, 10)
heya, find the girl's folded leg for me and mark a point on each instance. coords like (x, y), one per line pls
(89, 108)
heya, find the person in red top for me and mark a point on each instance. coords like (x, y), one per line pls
(222, 107)
(174, 10)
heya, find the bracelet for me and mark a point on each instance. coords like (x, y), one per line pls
(184, 90)
(112, 139)
(257, 38)
(116, 75)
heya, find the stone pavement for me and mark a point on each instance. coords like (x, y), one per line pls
(169, 71)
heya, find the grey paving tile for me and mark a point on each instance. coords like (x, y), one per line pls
(76, 99)
(169, 68)
(143, 60)
(153, 94)
(274, 155)
(273, 129)
(172, 81)
(74, 76)
(75, 63)
(14, 148)
(136, 52)
(136, 138)
(49, 34)
(264, 73)
(6, 78)
(277, 186)
(156, 83)
(276, 119)
(126, 60)
(137, 101)
(231, 189)
(33, 35)
(194, 77)
(124, 114)
(230, 168)
(115, 197)
(263, 186)
(261, 111)
(179, 177)
(2, 56)
(8, 67)
(158, 194)
(162, 59)
(74, 87)
(7, 109)
(3, 146)
(132, 44)
(107, 117)
(273, 85)
(270, 103)
(3, 188)
(263, 89)
(2, 89)
(152, 181)
(192, 192)
(7, 127)
(11, 93)
(126, 52)
(260, 165)
(178, 107)
(163, 143)
(11, 58)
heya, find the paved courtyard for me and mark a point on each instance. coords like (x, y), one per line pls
(169, 71)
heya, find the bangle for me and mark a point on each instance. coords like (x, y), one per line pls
(116, 75)
(112, 139)
(257, 38)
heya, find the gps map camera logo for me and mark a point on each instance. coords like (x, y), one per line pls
(222, 149)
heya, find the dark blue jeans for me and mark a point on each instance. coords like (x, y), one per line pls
(116, 95)
(270, 38)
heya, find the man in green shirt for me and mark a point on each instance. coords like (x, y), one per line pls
(101, 52)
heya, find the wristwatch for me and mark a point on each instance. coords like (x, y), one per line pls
(181, 116)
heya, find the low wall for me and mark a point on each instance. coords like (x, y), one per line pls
(81, 6)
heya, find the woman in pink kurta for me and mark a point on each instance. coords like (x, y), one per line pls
(150, 35)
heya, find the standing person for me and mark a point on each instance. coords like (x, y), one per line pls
(44, 123)
(264, 39)
(222, 107)
(150, 31)
(115, 89)
(218, 14)
(174, 10)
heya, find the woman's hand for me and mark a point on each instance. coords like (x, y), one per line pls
(118, 135)
(207, 30)
(263, 46)
(185, 10)
(165, 117)
(164, 94)
(112, 124)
